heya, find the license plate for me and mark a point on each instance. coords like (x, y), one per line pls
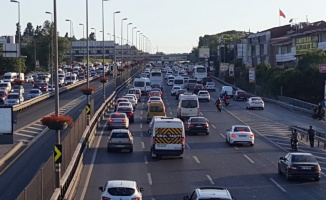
(199, 126)
(242, 136)
(308, 168)
(119, 145)
(161, 145)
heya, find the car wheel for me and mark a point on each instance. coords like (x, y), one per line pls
(153, 155)
(262, 108)
(207, 133)
(132, 120)
(252, 144)
(131, 150)
(108, 149)
(279, 169)
(287, 176)
(316, 178)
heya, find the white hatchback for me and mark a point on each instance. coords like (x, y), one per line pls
(240, 134)
(121, 190)
(210, 86)
(255, 102)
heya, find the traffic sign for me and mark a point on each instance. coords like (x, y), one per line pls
(324, 103)
(322, 68)
(58, 153)
(88, 109)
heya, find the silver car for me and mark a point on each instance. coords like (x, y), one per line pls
(117, 121)
(255, 102)
(120, 139)
(34, 93)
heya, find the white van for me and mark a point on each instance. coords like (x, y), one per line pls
(71, 78)
(188, 106)
(144, 84)
(7, 86)
(228, 90)
(168, 137)
(10, 77)
(179, 81)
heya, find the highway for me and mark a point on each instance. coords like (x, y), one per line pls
(248, 172)
(20, 173)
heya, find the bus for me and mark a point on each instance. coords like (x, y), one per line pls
(200, 72)
(156, 77)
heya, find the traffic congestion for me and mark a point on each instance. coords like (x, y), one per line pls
(165, 138)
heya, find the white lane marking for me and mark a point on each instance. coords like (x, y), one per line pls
(210, 179)
(170, 112)
(149, 178)
(31, 127)
(196, 159)
(236, 147)
(141, 125)
(248, 158)
(187, 145)
(25, 135)
(143, 145)
(141, 112)
(88, 176)
(201, 113)
(278, 185)
(169, 108)
(146, 161)
(214, 126)
(222, 135)
(29, 131)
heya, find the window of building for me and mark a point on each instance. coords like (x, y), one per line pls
(322, 37)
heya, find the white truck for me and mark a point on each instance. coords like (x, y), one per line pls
(11, 76)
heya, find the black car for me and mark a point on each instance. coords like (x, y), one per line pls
(129, 112)
(182, 91)
(240, 94)
(299, 165)
(198, 87)
(197, 125)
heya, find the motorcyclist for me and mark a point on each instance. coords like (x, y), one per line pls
(218, 101)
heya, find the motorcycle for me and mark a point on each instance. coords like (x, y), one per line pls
(294, 144)
(219, 107)
(319, 116)
(227, 100)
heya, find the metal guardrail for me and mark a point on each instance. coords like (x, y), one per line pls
(69, 177)
(303, 135)
(35, 100)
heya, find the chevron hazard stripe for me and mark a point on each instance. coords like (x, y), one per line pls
(168, 135)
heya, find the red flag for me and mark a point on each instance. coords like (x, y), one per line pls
(282, 14)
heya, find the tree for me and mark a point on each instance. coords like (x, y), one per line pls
(92, 36)
(18, 29)
(29, 30)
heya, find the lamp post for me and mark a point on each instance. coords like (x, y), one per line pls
(83, 37)
(132, 41)
(115, 54)
(87, 59)
(122, 37)
(103, 63)
(68, 20)
(140, 49)
(95, 36)
(109, 35)
(51, 57)
(128, 42)
(136, 46)
(19, 40)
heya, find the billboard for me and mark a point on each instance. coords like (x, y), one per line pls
(252, 75)
(204, 52)
(6, 128)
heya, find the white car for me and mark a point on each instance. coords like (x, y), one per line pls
(175, 89)
(121, 189)
(240, 134)
(203, 95)
(51, 88)
(13, 99)
(210, 86)
(210, 193)
(154, 99)
(125, 103)
(255, 102)
(34, 93)
(132, 100)
(134, 96)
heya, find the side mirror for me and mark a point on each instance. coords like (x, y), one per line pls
(185, 197)
(101, 188)
(282, 158)
(141, 189)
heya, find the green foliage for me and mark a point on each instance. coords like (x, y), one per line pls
(11, 64)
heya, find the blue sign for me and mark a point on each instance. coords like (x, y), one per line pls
(324, 103)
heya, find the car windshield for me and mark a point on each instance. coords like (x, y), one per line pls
(139, 84)
(124, 109)
(199, 86)
(203, 92)
(156, 109)
(303, 158)
(118, 115)
(155, 99)
(121, 191)
(198, 120)
(189, 104)
(210, 83)
(256, 99)
(241, 129)
(33, 91)
(122, 100)
(119, 135)
(13, 97)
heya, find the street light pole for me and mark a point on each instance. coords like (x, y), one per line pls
(51, 60)
(132, 41)
(121, 38)
(109, 35)
(115, 54)
(68, 20)
(83, 37)
(95, 35)
(128, 42)
(136, 46)
(87, 60)
(19, 40)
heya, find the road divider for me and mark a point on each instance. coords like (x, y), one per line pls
(11, 152)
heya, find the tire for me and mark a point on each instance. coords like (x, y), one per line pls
(279, 169)
(207, 133)
(108, 150)
(131, 150)
(252, 144)
(317, 179)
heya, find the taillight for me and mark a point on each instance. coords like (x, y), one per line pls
(318, 169)
(233, 135)
(191, 125)
(124, 120)
(251, 135)
(106, 198)
(131, 114)
(206, 125)
(183, 141)
(116, 104)
(110, 120)
(136, 198)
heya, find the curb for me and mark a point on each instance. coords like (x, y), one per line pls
(11, 152)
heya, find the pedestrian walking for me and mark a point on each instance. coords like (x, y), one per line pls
(311, 133)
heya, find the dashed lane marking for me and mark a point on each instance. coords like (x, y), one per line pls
(143, 145)
(214, 126)
(196, 159)
(278, 185)
(210, 179)
(149, 179)
(145, 159)
(248, 159)
(222, 135)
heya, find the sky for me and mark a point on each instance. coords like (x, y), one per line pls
(171, 26)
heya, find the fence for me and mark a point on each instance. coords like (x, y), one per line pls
(42, 185)
(296, 102)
